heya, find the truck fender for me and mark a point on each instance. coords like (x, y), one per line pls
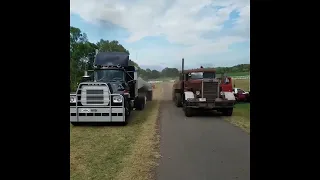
(229, 95)
(188, 95)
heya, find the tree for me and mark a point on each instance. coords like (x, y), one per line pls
(80, 48)
(170, 72)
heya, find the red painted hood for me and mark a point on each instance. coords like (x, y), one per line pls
(195, 85)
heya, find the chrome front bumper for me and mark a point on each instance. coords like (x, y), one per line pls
(97, 114)
(195, 103)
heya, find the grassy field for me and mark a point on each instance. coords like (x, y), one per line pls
(241, 83)
(241, 116)
(116, 152)
(241, 112)
(238, 74)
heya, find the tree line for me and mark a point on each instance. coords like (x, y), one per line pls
(233, 69)
(82, 53)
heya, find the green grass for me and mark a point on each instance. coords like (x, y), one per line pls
(108, 152)
(241, 116)
(241, 83)
(238, 74)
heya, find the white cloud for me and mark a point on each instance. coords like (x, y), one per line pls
(180, 21)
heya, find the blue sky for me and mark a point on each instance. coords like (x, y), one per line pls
(159, 33)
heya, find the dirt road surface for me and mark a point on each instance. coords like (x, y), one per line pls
(201, 147)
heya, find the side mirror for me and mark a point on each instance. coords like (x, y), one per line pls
(135, 75)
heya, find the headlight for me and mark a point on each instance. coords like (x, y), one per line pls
(197, 93)
(73, 99)
(117, 99)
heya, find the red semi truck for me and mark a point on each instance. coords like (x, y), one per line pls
(201, 89)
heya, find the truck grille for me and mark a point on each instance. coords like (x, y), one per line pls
(95, 96)
(210, 90)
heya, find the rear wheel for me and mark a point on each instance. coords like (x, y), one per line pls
(149, 96)
(140, 102)
(177, 100)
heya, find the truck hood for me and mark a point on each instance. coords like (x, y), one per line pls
(195, 85)
(117, 87)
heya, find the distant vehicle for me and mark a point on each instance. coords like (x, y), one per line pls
(241, 95)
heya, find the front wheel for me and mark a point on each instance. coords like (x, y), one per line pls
(127, 113)
(75, 123)
(227, 112)
(188, 112)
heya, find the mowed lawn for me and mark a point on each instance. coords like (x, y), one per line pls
(238, 74)
(241, 112)
(241, 116)
(117, 152)
(241, 83)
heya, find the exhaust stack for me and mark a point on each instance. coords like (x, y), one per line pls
(182, 68)
(85, 74)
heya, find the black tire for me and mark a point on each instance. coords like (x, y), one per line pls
(227, 112)
(75, 123)
(248, 98)
(173, 96)
(125, 122)
(140, 103)
(188, 112)
(127, 113)
(149, 95)
(177, 100)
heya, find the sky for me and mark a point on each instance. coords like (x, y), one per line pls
(159, 33)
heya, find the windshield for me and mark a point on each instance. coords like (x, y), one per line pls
(201, 75)
(107, 75)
